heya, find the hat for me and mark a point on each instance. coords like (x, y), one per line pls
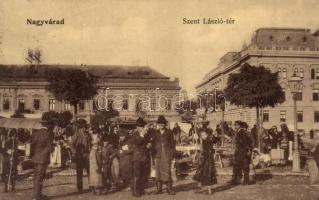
(161, 120)
(243, 125)
(140, 122)
(238, 122)
(81, 123)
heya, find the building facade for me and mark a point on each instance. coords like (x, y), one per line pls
(283, 50)
(24, 88)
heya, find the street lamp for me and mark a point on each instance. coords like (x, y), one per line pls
(295, 85)
(157, 100)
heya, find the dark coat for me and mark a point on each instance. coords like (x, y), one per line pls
(177, 130)
(114, 140)
(41, 146)
(6, 165)
(276, 139)
(165, 150)
(140, 151)
(81, 142)
(126, 159)
(316, 155)
(151, 138)
(206, 171)
(243, 148)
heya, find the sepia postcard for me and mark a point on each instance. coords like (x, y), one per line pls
(159, 99)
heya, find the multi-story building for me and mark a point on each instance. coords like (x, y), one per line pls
(24, 87)
(283, 50)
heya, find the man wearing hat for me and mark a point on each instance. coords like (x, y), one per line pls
(204, 127)
(126, 158)
(140, 157)
(165, 149)
(242, 156)
(81, 142)
(41, 148)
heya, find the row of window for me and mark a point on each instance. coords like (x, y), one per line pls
(299, 72)
(36, 105)
(124, 104)
(299, 95)
(283, 116)
(288, 48)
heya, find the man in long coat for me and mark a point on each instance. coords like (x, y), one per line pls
(242, 156)
(165, 149)
(41, 148)
(126, 158)
(81, 142)
(140, 158)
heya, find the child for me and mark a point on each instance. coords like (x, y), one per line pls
(206, 171)
(95, 178)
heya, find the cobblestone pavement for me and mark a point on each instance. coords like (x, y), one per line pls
(266, 188)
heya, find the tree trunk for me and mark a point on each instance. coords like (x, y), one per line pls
(223, 131)
(258, 126)
(75, 112)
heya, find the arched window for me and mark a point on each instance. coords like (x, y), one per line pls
(312, 73)
(301, 73)
(284, 73)
(279, 72)
(296, 72)
(317, 73)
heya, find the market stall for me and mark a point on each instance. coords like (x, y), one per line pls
(23, 128)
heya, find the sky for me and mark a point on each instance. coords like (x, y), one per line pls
(143, 32)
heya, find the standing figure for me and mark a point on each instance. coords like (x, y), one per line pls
(165, 149)
(177, 133)
(287, 143)
(140, 158)
(41, 148)
(191, 133)
(254, 135)
(106, 153)
(3, 138)
(276, 137)
(126, 158)
(114, 139)
(150, 137)
(243, 149)
(81, 142)
(95, 179)
(10, 161)
(206, 171)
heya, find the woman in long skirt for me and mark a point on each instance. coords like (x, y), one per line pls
(95, 178)
(206, 171)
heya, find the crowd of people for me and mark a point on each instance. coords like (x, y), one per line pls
(115, 159)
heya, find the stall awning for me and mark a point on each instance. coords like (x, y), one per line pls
(20, 123)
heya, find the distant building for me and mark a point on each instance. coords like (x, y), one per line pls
(23, 87)
(282, 50)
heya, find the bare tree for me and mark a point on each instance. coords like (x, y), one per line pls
(34, 56)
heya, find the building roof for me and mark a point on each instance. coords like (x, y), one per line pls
(273, 39)
(101, 71)
(285, 37)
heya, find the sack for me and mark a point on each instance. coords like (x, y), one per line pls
(277, 154)
(153, 172)
(313, 171)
